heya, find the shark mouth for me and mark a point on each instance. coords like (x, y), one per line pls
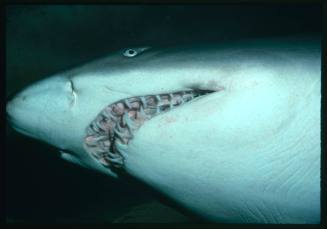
(118, 122)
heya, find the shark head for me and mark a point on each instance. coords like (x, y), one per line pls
(60, 110)
(224, 130)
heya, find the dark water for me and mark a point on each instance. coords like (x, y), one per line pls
(42, 40)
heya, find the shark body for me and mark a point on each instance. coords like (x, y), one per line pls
(243, 146)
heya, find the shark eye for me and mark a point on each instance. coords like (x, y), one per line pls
(130, 52)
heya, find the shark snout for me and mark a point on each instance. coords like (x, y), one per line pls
(16, 115)
(13, 107)
(39, 109)
(9, 111)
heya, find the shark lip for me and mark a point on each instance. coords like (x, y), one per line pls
(117, 122)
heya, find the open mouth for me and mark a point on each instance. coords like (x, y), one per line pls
(118, 122)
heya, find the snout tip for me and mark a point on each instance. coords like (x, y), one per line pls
(12, 106)
(10, 110)
(10, 103)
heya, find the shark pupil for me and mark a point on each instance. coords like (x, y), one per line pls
(130, 53)
(118, 122)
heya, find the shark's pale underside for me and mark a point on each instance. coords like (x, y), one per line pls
(230, 131)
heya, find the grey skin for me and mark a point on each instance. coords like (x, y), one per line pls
(247, 153)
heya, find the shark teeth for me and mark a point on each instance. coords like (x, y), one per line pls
(127, 121)
(109, 134)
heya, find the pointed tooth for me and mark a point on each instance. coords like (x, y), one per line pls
(134, 99)
(117, 164)
(171, 97)
(120, 148)
(106, 143)
(128, 121)
(143, 100)
(99, 125)
(124, 119)
(97, 154)
(94, 154)
(108, 115)
(113, 155)
(93, 140)
(165, 101)
(133, 103)
(102, 137)
(165, 107)
(179, 100)
(104, 161)
(118, 133)
(187, 97)
(162, 101)
(90, 131)
(117, 160)
(123, 136)
(103, 146)
(119, 128)
(99, 151)
(158, 110)
(141, 114)
(151, 110)
(128, 104)
(151, 107)
(158, 98)
(94, 127)
(142, 111)
(118, 108)
(182, 98)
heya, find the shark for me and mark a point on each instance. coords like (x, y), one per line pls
(229, 131)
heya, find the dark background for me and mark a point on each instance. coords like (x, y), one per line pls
(44, 39)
